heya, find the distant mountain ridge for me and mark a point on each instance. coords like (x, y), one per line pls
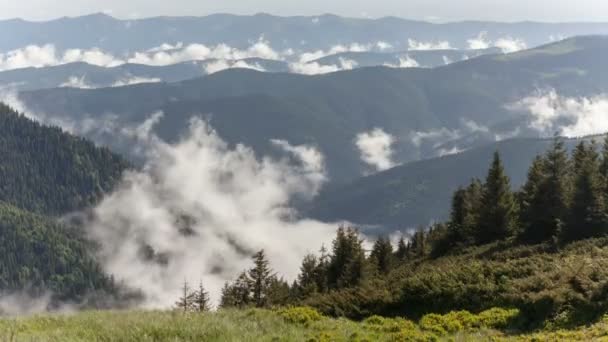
(329, 111)
(311, 33)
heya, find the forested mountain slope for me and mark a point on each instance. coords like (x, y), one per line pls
(45, 170)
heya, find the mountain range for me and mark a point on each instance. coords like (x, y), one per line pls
(309, 33)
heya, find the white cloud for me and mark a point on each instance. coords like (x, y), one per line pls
(416, 45)
(480, 42)
(203, 208)
(315, 68)
(383, 46)
(76, 82)
(434, 136)
(93, 56)
(509, 45)
(135, 80)
(506, 44)
(375, 147)
(29, 56)
(404, 62)
(568, 116)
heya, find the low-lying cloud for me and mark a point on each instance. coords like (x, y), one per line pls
(199, 209)
(568, 116)
(376, 148)
(425, 46)
(506, 44)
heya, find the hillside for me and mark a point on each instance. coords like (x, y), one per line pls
(419, 193)
(41, 257)
(83, 75)
(243, 104)
(422, 58)
(44, 170)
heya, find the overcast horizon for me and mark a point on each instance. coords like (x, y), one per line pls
(427, 10)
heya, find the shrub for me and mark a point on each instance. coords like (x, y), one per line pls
(497, 318)
(301, 315)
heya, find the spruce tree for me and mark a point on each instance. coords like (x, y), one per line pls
(307, 279)
(382, 255)
(533, 200)
(200, 300)
(401, 253)
(498, 212)
(259, 277)
(186, 301)
(464, 216)
(587, 212)
(346, 266)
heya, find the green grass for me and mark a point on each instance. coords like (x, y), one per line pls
(297, 324)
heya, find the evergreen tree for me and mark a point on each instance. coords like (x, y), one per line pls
(259, 277)
(464, 216)
(278, 292)
(587, 213)
(201, 301)
(498, 213)
(382, 255)
(533, 200)
(307, 279)
(418, 244)
(402, 249)
(186, 301)
(346, 266)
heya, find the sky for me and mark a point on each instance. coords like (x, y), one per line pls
(431, 10)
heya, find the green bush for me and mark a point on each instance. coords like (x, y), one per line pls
(300, 315)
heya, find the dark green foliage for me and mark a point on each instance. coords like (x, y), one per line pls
(464, 217)
(260, 276)
(347, 265)
(45, 170)
(39, 255)
(587, 216)
(498, 212)
(382, 255)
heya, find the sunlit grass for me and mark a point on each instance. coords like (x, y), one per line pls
(298, 324)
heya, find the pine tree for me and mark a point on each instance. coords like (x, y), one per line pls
(382, 255)
(498, 212)
(587, 212)
(185, 302)
(259, 277)
(201, 301)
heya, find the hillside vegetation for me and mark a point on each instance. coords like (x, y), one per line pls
(46, 173)
(45, 170)
(542, 249)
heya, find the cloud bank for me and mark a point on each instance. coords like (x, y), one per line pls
(199, 209)
(568, 116)
(506, 44)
